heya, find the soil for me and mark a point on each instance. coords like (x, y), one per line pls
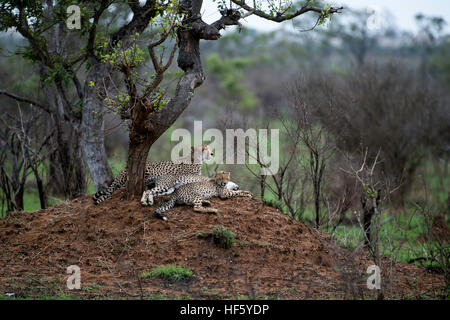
(114, 243)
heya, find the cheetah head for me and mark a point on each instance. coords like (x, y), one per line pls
(222, 178)
(204, 150)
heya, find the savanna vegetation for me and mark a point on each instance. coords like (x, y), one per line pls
(363, 114)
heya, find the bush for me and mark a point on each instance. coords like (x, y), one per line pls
(382, 107)
(274, 204)
(223, 237)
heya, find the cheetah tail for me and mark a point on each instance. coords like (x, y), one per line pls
(165, 207)
(102, 196)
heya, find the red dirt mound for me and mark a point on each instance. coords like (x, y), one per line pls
(115, 242)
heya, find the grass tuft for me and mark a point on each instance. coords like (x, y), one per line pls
(169, 272)
(223, 236)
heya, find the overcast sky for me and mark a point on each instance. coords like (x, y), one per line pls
(403, 11)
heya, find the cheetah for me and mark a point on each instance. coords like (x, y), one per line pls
(167, 184)
(197, 193)
(191, 164)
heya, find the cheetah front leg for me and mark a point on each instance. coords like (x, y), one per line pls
(147, 198)
(198, 206)
(149, 195)
(227, 194)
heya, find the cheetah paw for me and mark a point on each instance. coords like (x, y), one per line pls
(147, 199)
(206, 202)
(247, 194)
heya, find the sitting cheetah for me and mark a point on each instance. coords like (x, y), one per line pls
(167, 184)
(191, 164)
(197, 193)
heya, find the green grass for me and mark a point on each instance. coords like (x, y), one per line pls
(169, 272)
(93, 287)
(31, 202)
(223, 237)
(43, 297)
(31, 198)
(401, 235)
(274, 203)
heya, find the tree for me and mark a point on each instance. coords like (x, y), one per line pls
(144, 105)
(149, 113)
(430, 35)
(382, 107)
(72, 103)
(355, 34)
(371, 205)
(24, 146)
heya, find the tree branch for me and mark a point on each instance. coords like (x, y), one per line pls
(280, 17)
(26, 100)
(141, 17)
(90, 45)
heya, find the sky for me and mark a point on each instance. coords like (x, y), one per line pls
(402, 11)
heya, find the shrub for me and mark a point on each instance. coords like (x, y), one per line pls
(223, 237)
(384, 107)
(274, 204)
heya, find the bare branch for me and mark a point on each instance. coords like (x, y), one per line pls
(26, 100)
(283, 16)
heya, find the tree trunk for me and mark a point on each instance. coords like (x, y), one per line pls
(136, 162)
(18, 198)
(367, 222)
(92, 128)
(262, 183)
(79, 170)
(40, 186)
(145, 130)
(42, 195)
(67, 166)
(7, 191)
(315, 175)
(72, 164)
(55, 179)
(67, 174)
(317, 205)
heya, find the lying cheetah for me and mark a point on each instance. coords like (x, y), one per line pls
(197, 193)
(191, 164)
(167, 184)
